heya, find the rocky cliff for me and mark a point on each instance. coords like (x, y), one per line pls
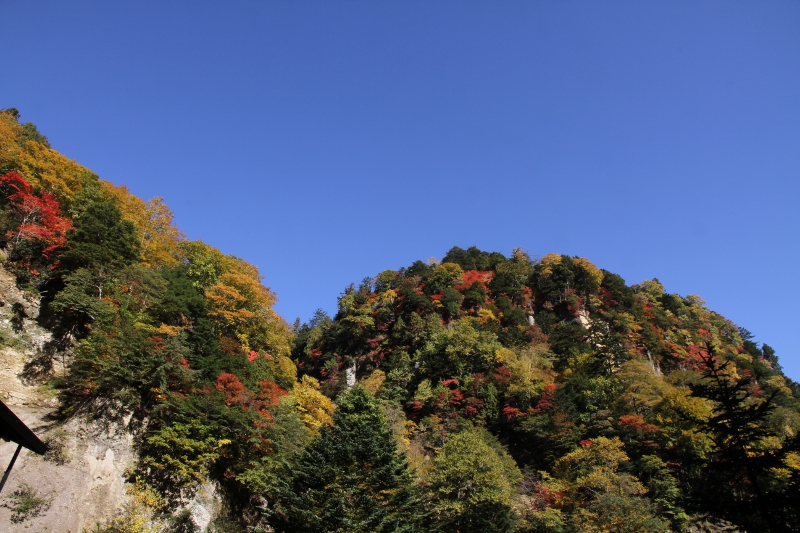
(82, 476)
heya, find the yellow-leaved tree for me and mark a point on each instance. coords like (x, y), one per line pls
(159, 238)
(531, 373)
(242, 307)
(40, 165)
(590, 492)
(315, 409)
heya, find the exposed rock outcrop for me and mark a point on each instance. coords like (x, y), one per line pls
(83, 475)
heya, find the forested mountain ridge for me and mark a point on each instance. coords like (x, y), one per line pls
(168, 334)
(620, 405)
(477, 393)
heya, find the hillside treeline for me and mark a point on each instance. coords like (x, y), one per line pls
(479, 393)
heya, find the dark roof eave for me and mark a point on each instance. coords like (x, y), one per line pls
(13, 429)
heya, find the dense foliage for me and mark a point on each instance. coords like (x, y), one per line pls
(495, 394)
(625, 407)
(350, 478)
(169, 333)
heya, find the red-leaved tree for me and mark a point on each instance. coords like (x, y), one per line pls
(36, 221)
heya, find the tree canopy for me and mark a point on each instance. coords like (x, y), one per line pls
(481, 393)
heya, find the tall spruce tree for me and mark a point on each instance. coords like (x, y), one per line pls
(350, 479)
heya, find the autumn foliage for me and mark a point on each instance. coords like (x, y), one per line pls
(570, 366)
(494, 393)
(37, 228)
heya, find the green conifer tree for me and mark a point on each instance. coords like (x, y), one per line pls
(101, 240)
(99, 246)
(350, 479)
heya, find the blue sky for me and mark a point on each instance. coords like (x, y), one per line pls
(327, 141)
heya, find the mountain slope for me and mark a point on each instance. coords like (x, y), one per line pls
(556, 356)
(480, 393)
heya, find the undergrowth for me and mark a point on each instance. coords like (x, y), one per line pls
(25, 503)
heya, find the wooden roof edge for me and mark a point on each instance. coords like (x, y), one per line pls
(13, 429)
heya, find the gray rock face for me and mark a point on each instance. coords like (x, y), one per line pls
(84, 477)
(86, 481)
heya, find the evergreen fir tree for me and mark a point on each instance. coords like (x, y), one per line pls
(101, 239)
(350, 479)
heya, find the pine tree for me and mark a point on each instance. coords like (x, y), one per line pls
(350, 479)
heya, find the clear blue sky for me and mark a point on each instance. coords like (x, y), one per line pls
(327, 141)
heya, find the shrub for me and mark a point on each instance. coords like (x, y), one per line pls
(57, 451)
(26, 503)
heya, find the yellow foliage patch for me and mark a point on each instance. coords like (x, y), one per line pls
(313, 407)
